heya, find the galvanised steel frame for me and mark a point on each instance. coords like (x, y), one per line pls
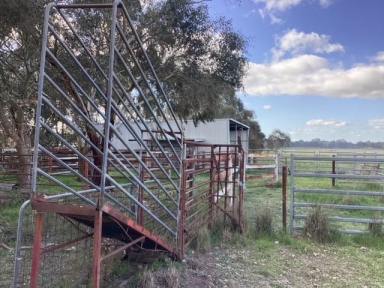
(96, 75)
(92, 77)
(348, 171)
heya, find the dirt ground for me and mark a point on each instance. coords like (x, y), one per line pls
(272, 264)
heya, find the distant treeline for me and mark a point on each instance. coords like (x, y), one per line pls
(341, 143)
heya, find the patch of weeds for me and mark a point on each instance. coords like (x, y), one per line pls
(369, 240)
(170, 277)
(376, 227)
(119, 268)
(317, 227)
(202, 242)
(264, 222)
(162, 262)
(227, 235)
(265, 244)
(373, 186)
(146, 279)
(348, 200)
(277, 185)
(299, 244)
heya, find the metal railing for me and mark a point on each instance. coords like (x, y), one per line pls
(212, 186)
(90, 87)
(349, 189)
(98, 92)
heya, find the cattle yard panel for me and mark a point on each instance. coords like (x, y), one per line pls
(93, 77)
(212, 186)
(350, 190)
(97, 201)
(264, 165)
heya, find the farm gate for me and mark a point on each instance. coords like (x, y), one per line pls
(151, 196)
(264, 164)
(349, 189)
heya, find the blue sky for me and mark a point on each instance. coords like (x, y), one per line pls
(316, 67)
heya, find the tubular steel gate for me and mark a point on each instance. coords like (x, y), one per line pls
(349, 190)
(154, 194)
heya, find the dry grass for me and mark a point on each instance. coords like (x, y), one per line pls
(316, 226)
(376, 228)
(202, 242)
(164, 277)
(147, 279)
(264, 222)
(170, 277)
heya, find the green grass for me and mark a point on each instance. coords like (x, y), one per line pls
(265, 247)
(355, 260)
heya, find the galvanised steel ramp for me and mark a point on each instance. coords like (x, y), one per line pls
(130, 183)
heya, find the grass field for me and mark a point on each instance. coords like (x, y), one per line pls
(229, 259)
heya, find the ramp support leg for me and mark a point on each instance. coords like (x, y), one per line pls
(36, 251)
(97, 239)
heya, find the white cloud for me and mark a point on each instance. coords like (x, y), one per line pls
(325, 3)
(294, 42)
(314, 76)
(271, 7)
(267, 107)
(327, 123)
(377, 123)
(379, 56)
(278, 5)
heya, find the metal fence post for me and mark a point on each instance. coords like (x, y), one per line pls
(97, 242)
(292, 196)
(333, 171)
(211, 196)
(284, 196)
(182, 214)
(36, 251)
(276, 167)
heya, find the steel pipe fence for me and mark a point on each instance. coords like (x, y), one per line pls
(89, 85)
(348, 189)
(100, 191)
(264, 165)
(94, 75)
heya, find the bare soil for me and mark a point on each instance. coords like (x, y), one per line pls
(276, 265)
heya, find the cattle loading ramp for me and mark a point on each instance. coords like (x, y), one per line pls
(95, 74)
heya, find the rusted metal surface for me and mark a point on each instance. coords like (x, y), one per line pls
(212, 189)
(123, 248)
(97, 242)
(36, 250)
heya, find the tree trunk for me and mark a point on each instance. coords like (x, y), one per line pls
(24, 160)
(23, 150)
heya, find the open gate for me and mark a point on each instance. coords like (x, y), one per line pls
(212, 186)
(136, 185)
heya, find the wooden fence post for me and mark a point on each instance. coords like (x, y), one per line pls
(284, 196)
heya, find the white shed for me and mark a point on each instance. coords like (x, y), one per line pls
(218, 131)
